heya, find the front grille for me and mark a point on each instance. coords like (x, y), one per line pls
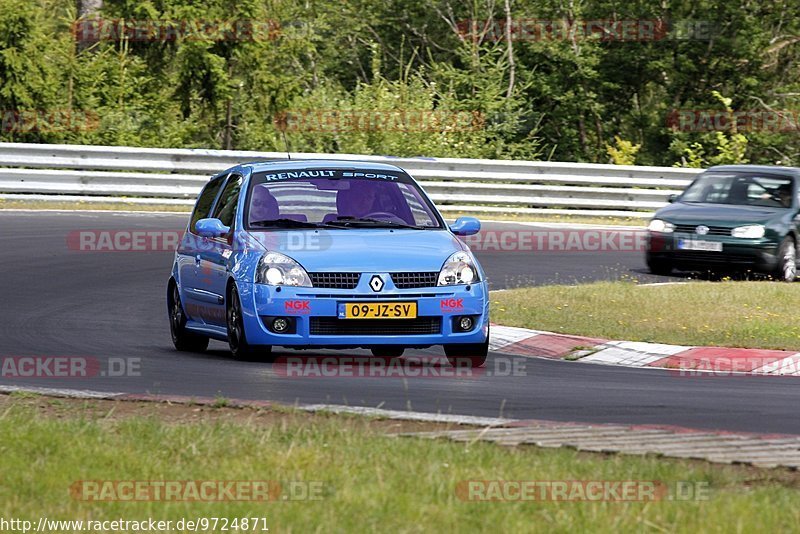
(712, 230)
(414, 280)
(335, 280)
(332, 326)
(702, 256)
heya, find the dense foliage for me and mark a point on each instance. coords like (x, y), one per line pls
(563, 98)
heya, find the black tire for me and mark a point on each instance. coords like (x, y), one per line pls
(467, 355)
(659, 266)
(786, 269)
(183, 340)
(388, 351)
(237, 338)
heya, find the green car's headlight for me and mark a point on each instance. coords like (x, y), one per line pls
(657, 225)
(751, 231)
(276, 269)
(459, 269)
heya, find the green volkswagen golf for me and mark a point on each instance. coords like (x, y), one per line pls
(731, 218)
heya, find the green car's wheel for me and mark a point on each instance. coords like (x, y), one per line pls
(661, 267)
(786, 270)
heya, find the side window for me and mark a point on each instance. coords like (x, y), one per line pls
(226, 207)
(204, 201)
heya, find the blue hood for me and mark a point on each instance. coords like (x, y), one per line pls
(363, 250)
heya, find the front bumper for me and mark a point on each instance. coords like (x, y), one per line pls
(737, 253)
(302, 305)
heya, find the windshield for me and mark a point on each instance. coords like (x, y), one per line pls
(303, 198)
(743, 189)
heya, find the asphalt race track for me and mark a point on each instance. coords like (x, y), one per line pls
(57, 301)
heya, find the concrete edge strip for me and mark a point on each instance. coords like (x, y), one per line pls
(685, 360)
(242, 403)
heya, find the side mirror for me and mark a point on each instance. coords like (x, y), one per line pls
(211, 228)
(672, 198)
(466, 226)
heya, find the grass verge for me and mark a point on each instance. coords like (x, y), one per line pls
(371, 482)
(728, 314)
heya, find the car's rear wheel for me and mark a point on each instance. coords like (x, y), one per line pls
(237, 337)
(467, 355)
(659, 266)
(786, 270)
(182, 339)
(388, 351)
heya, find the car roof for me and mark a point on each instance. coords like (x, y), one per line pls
(756, 168)
(320, 164)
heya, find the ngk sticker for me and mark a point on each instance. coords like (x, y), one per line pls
(451, 305)
(300, 307)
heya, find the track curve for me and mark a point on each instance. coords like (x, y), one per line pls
(63, 302)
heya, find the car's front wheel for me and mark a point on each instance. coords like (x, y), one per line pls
(467, 355)
(183, 340)
(659, 266)
(786, 270)
(237, 338)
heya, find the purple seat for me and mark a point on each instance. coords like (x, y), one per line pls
(355, 202)
(263, 206)
(299, 217)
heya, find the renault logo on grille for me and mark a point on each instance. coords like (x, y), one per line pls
(376, 283)
(701, 230)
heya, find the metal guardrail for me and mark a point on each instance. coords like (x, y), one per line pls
(175, 176)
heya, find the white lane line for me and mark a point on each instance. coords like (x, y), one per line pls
(56, 392)
(407, 416)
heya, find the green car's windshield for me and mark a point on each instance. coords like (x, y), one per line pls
(742, 189)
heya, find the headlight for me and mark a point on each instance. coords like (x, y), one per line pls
(657, 225)
(752, 231)
(459, 269)
(275, 269)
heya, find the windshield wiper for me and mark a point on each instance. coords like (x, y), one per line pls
(287, 223)
(346, 221)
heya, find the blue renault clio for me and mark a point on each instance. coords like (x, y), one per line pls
(326, 254)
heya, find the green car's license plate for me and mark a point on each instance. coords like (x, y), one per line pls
(699, 244)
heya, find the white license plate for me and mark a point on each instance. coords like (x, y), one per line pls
(699, 244)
